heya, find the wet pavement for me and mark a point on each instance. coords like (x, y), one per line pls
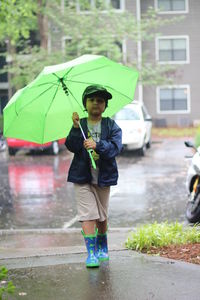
(41, 244)
(34, 192)
(52, 267)
(128, 276)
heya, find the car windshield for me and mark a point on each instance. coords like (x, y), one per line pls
(127, 114)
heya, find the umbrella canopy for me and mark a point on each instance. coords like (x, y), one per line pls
(42, 111)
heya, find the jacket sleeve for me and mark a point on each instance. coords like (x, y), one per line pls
(74, 141)
(112, 147)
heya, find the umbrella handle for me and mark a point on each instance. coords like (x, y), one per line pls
(89, 150)
(92, 159)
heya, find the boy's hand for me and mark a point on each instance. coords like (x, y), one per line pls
(89, 144)
(75, 119)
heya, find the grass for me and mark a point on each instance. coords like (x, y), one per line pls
(197, 138)
(174, 132)
(163, 234)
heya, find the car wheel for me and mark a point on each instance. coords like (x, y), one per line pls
(55, 148)
(142, 151)
(148, 145)
(12, 151)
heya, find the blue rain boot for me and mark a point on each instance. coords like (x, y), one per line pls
(90, 242)
(102, 247)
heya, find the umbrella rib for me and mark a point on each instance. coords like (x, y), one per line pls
(35, 86)
(64, 74)
(84, 82)
(74, 98)
(84, 72)
(67, 72)
(32, 100)
(107, 86)
(111, 88)
(49, 108)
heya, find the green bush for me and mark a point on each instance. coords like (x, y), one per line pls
(6, 287)
(163, 234)
(197, 138)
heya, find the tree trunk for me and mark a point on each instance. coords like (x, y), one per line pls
(43, 25)
(11, 51)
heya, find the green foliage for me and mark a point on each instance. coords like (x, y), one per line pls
(163, 234)
(17, 18)
(197, 138)
(6, 287)
(28, 63)
(91, 31)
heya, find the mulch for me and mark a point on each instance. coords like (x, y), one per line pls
(185, 252)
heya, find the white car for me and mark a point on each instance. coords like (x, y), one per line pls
(136, 125)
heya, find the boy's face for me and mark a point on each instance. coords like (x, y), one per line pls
(95, 105)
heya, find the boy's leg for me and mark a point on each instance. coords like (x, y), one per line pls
(101, 241)
(89, 233)
(88, 214)
(102, 198)
(89, 227)
(101, 226)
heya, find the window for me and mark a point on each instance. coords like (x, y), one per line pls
(172, 6)
(173, 49)
(174, 99)
(115, 4)
(69, 48)
(85, 5)
(117, 50)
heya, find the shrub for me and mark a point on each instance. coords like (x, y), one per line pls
(163, 234)
(6, 287)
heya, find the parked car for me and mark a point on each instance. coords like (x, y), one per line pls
(136, 125)
(15, 144)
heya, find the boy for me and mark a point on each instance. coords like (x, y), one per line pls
(92, 187)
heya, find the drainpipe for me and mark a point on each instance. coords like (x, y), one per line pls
(139, 50)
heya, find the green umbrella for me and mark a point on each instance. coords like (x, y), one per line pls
(42, 111)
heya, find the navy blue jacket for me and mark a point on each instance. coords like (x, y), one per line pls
(109, 146)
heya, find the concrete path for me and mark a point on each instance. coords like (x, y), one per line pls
(50, 264)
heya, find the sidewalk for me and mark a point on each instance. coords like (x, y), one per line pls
(50, 264)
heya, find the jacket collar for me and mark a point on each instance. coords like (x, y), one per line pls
(104, 128)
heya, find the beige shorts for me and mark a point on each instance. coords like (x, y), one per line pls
(92, 202)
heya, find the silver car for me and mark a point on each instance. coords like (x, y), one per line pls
(136, 125)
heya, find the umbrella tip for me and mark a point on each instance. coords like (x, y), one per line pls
(64, 87)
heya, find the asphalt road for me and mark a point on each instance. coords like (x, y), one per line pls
(34, 192)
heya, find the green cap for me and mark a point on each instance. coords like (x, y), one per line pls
(96, 89)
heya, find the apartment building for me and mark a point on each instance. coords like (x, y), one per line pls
(177, 44)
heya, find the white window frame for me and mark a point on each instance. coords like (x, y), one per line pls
(122, 7)
(63, 43)
(173, 112)
(175, 62)
(186, 11)
(124, 51)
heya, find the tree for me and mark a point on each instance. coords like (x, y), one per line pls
(91, 30)
(17, 18)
